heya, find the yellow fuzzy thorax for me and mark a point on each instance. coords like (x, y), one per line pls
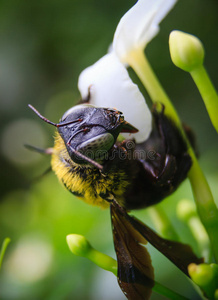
(85, 181)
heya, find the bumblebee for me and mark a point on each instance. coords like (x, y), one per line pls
(96, 167)
(93, 166)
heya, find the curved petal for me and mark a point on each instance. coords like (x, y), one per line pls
(139, 25)
(109, 85)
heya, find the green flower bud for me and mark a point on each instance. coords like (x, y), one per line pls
(201, 274)
(206, 277)
(186, 50)
(78, 244)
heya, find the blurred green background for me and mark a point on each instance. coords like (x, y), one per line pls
(44, 45)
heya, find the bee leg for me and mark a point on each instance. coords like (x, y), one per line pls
(169, 148)
(171, 140)
(177, 161)
(172, 148)
(161, 173)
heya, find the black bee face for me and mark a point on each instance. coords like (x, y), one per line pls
(91, 131)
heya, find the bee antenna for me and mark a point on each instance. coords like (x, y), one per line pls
(41, 117)
(52, 123)
(48, 151)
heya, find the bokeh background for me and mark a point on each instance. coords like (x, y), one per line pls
(44, 45)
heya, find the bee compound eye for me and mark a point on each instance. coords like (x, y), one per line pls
(101, 143)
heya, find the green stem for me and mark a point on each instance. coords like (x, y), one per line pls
(138, 61)
(162, 223)
(208, 93)
(200, 236)
(186, 212)
(102, 260)
(3, 249)
(206, 207)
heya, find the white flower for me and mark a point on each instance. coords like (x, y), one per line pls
(107, 81)
(109, 85)
(139, 26)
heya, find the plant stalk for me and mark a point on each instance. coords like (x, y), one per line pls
(206, 206)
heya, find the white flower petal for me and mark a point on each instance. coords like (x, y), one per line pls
(139, 25)
(110, 86)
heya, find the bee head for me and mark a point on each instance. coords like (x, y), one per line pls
(93, 131)
(89, 132)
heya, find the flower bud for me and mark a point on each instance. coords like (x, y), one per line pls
(201, 274)
(78, 244)
(186, 50)
(206, 277)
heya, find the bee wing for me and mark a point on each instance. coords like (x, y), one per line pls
(135, 271)
(180, 254)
